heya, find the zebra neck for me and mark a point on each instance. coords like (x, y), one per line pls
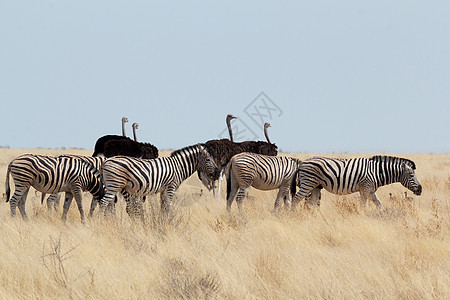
(187, 164)
(387, 173)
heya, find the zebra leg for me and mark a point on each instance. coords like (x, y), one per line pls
(166, 200)
(93, 206)
(18, 193)
(67, 201)
(53, 202)
(282, 194)
(163, 197)
(77, 193)
(50, 203)
(57, 200)
(364, 194)
(375, 199)
(240, 197)
(287, 202)
(107, 201)
(134, 207)
(299, 196)
(129, 204)
(232, 188)
(22, 201)
(314, 198)
(112, 205)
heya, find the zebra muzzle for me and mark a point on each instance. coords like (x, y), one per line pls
(418, 191)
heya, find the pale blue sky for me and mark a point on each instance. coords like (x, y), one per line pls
(345, 76)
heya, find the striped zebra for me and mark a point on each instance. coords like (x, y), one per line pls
(135, 177)
(262, 172)
(346, 176)
(51, 175)
(53, 199)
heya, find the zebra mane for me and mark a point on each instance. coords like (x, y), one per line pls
(187, 149)
(383, 158)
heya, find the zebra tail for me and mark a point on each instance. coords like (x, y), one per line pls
(8, 190)
(229, 181)
(294, 184)
(42, 198)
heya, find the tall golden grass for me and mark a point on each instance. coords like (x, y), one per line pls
(340, 251)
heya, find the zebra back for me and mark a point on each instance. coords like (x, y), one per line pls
(96, 161)
(392, 160)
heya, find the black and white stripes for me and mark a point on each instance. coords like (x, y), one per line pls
(51, 175)
(135, 177)
(262, 172)
(346, 176)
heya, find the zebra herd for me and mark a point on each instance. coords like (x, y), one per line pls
(135, 178)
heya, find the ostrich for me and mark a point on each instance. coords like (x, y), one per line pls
(135, 126)
(222, 151)
(113, 145)
(99, 147)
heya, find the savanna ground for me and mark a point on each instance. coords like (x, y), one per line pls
(341, 251)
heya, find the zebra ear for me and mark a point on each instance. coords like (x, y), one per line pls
(403, 165)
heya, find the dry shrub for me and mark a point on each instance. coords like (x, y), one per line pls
(183, 281)
(346, 205)
(55, 259)
(161, 222)
(269, 272)
(397, 209)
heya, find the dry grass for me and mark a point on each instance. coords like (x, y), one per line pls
(342, 251)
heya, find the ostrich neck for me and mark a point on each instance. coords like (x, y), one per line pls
(123, 128)
(230, 131)
(267, 135)
(134, 134)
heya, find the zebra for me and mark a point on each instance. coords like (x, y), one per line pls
(346, 176)
(135, 177)
(49, 174)
(53, 199)
(262, 172)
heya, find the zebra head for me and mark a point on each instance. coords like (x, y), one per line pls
(207, 182)
(409, 180)
(206, 165)
(95, 182)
